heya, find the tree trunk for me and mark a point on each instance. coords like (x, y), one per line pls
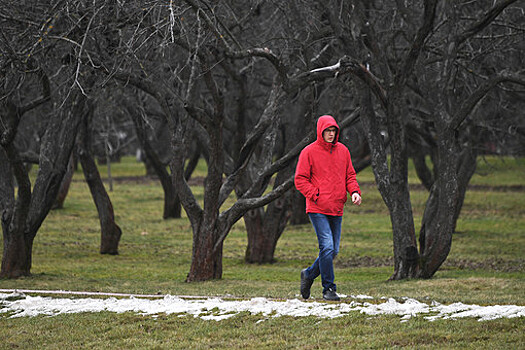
(264, 230)
(172, 205)
(422, 170)
(16, 257)
(22, 218)
(405, 246)
(64, 186)
(193, 161)
(392, 179)
(206, 262)
(439, 216)
(298, 209)
(110, 231)
(466, 169)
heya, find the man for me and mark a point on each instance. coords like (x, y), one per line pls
(324, 175)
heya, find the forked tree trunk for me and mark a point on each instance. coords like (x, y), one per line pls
(110, 231)
(23, 216)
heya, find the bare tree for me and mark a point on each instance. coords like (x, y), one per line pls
(43, 47)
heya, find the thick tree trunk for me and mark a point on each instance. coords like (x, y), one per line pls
(264, 230)
(110, 231)
(439, 217)
(404, 238)
(392, 180)
(399, 205)
(16, 259)
(206, 262)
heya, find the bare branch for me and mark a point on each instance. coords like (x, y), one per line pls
(349, 65)
(233, 214)
(46, 95)
(264, 53)
(484, 21)
(423, 32)
(209, 22)
(247, 149)
(468, 105)
(199, 115)
(248, 201)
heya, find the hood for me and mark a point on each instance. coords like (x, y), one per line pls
(325, 122)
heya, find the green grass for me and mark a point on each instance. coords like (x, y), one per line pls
(485, 266)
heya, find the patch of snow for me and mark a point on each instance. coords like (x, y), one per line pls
(217, 309)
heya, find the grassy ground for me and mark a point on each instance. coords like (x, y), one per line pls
(485, 266)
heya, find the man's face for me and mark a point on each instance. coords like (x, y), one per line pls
(329, 134)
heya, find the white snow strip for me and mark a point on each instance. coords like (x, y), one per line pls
(21, 305)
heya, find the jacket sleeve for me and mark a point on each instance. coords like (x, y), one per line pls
(351, 181)
(302, 177)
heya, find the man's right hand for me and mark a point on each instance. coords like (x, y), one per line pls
(356, 198)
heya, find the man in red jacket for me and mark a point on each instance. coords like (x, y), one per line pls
(324, 175)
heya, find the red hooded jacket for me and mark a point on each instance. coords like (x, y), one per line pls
(325, 173)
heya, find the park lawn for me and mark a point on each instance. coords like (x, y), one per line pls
(484, 267)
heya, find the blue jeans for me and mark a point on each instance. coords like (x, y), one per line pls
(328, 230)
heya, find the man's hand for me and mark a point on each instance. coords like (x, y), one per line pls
(356, 198)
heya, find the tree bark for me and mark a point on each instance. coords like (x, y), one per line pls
(438, 219)
(466, 169)
(64, 186)
(206, 262)
(264, 228)
(16, 257)
(110, 231)
(172, 205)
(298, 214)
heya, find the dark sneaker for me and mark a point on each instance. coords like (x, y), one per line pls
(306, 284)
(331, 295)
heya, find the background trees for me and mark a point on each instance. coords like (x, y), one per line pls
(241, 83)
